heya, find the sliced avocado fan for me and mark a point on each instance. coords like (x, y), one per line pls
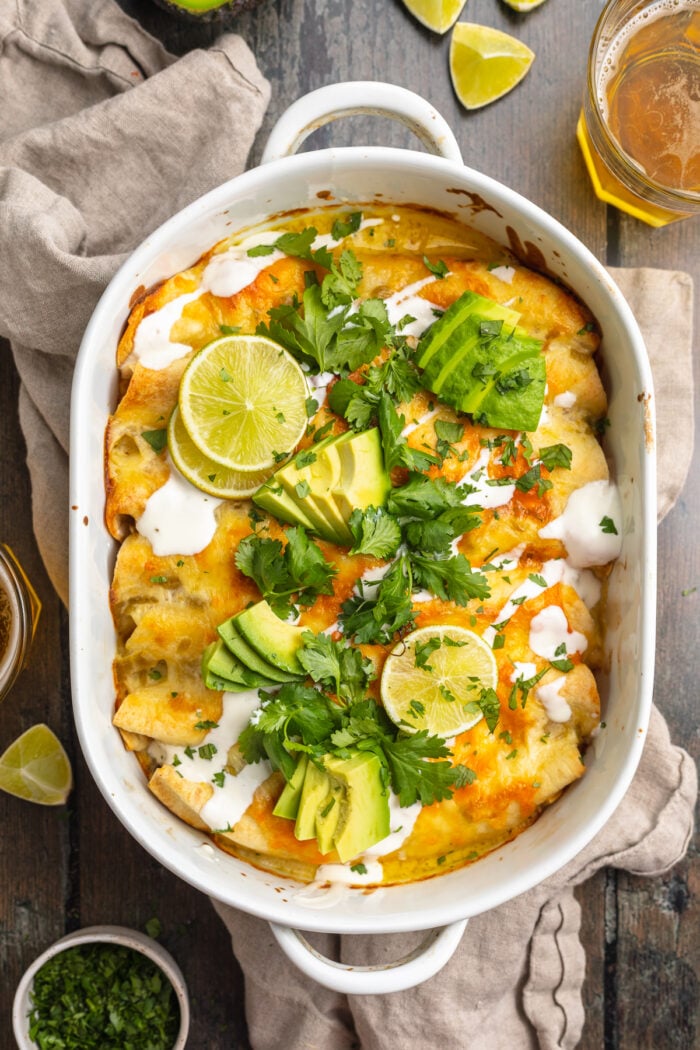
(476, 359)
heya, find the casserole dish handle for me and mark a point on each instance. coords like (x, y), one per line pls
(368, 97)
(419, 965)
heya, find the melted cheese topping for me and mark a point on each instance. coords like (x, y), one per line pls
(175, 578)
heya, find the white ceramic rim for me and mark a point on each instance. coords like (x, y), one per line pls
(435, 911)
(121, 935)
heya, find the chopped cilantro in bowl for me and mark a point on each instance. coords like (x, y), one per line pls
(107, 988)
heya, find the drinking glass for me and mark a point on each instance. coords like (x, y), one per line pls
(640, 125)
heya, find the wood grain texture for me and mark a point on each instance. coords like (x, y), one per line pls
(79, 866)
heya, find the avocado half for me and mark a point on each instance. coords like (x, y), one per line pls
(203, 10)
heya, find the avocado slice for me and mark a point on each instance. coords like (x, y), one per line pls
(248, 656)
(272, 497)
(221, 670)
(444, 338)
(347, 472)
(288, 802)
(478, 361)
(328, 818)
(364, 811)
(320, 479)
(274, 640)
(364, 481)
(315, 790)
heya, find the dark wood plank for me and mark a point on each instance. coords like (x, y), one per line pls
(120, 883)
(33, 859)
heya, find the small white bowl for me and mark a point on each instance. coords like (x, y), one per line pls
(139, 942)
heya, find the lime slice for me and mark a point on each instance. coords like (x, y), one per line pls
(485, 63)
(36, 767)
(434, 678)
(203, 472)
(243, 402)
(437, 15)
(523, 5)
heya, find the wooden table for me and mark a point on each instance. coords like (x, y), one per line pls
(61, 869)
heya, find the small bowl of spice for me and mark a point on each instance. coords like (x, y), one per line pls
(102, 988)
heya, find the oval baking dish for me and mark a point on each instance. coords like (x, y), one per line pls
(342, 177)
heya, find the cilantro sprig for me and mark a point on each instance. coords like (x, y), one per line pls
(376, 613)
(327, 330)
(295, 574)
(300, 719)
(336, 666)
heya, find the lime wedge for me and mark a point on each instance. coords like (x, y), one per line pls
(243, 402)
(433, 680)
(35, 767)
(203, 472)
(437, 15)
(485, 64)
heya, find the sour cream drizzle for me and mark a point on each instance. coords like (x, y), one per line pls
(556, 570)
(580, 527)
(550, 697)
(226, 274)
(178, 518)
(565, 400)
(503, 273)
(333, 880)
(228, 803)
(152, 346)
(550, 636)
(407, 301)
(484, 495)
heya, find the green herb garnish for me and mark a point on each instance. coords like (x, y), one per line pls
(102, 997)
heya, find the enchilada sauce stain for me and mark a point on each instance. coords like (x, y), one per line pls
(477, 203)
(528, 253)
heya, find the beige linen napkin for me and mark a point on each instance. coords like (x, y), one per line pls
(102, 136)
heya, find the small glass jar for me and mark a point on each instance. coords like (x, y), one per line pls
(19, 614)
(619, 46)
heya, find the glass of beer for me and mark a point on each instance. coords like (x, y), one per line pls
(640, 125)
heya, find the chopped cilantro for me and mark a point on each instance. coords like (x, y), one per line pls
(102, 997)
(343, 228)
(423, 652)
(608, 525)
(439, 269)
(157, 439)
(556, 456)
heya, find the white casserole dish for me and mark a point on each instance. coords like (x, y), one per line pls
(355, 176)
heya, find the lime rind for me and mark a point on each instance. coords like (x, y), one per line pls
(35, 767)
(243, 402)
(204, 473)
